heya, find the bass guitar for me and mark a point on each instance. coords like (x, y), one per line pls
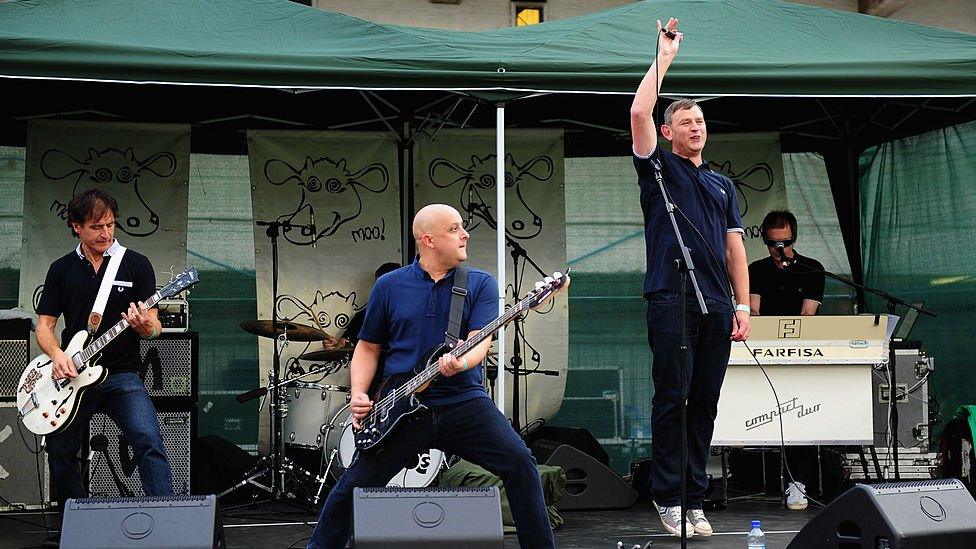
(396, 397)
(47, 405)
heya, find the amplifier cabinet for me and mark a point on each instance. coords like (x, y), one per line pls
(170, 365)
(19, 466)
(912, 367)
(14, 349)
(116, 465)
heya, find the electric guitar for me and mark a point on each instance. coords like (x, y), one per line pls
(47, 405)
(396, 397)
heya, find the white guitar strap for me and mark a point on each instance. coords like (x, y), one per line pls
(95, 318)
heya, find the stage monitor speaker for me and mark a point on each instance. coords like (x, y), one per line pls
(20, 465)
(930, 514)
(113, 471)
(177, 522)
(14, 348)
(427, 518)
(169, 365)
(547, 438)
(589, 483)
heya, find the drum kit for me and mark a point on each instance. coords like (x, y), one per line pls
(315, 416)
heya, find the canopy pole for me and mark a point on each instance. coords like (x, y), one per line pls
(500, 244)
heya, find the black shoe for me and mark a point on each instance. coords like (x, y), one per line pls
(54, 540)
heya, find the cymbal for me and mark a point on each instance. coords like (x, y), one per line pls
(328, 355)
(296, 331)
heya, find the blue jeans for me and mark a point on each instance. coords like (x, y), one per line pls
(122, 397)
(474, 430)
(709, 344)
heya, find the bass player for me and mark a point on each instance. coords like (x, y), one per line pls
(407, 314)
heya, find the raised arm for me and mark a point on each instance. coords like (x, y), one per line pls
(642, 130)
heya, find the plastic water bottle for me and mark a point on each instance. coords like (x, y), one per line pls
(756, 539)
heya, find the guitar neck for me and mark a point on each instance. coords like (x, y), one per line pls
(113, 332)
(432, 371)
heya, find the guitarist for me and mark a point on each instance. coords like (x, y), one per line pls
(407, 313)
(70, 289)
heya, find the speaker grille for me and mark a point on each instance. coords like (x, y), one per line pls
(175, 428)
(917, 486)
(168, 365)
(13, 361)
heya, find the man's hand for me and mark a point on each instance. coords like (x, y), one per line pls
(449, 365)
(665, 45)
(360, 404)
(139, 319)
(740, 326)
(62, 366)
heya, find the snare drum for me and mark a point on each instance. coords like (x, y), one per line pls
(310, 407)
(429, 464)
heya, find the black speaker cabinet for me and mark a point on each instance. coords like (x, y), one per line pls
(169, 365)
(930, 514)
(113, 472)
(14, 348)
(178, 522)
(427, 518)
(589, 483)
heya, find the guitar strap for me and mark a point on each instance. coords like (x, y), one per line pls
(458, 293)
(95, 318)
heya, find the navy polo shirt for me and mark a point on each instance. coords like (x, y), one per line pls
(708, 199)
(71, 287)
(407, 313)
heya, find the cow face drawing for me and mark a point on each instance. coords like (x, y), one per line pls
(475, 182)
(325, 187)
(755, 179)
(118, 172)
(329, 312)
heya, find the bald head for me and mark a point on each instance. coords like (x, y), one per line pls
(432, 217)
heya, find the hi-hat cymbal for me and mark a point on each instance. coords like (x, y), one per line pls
(328, 355)
(296, 331)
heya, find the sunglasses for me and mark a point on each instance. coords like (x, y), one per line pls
(774, 243)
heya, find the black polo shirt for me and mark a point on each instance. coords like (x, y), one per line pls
(708, 199)
(70, 290)
(782, 291)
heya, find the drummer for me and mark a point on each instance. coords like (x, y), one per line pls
(351, 336)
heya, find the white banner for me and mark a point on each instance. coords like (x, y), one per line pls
(340, 190)
(754, 162)
(458, 168)
(144, 166)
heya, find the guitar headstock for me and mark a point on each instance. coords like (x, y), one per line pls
(547, 288)
(180, 282)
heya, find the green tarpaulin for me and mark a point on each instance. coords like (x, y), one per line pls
(733, 47)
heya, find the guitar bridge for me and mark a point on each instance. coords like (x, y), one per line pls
(30, 406)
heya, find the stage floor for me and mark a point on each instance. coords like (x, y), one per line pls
(264, 527)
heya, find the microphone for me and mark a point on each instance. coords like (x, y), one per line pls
(670, 33)
(315, 234)
(780, 249)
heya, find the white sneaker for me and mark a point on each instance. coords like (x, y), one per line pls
(671, 519)
(796, 499)
(698, 521)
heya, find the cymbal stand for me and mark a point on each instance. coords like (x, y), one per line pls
(275, 464)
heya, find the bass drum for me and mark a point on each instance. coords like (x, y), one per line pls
(421, 474)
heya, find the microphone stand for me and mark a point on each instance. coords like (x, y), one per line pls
(891, 302)
(516, 361)
(686, 270)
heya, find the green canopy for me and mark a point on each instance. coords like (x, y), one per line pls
(732, 47)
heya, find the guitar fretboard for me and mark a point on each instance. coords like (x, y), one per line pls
(95, 346)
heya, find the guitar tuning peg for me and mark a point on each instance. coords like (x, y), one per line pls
(557, 275)
(548, 280)
(539, 284)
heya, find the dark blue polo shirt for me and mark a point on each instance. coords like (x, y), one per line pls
(708, 199)
(70, 289)
(407, 313)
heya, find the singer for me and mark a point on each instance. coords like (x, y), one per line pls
(708, 217)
